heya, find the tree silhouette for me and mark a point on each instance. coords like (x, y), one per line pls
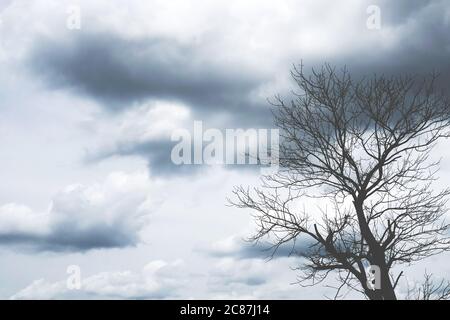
(363, 148)
(429, 290)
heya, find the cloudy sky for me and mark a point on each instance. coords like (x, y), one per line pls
(87, 112)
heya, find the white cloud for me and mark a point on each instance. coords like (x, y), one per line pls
(20, 218)
(231, 278)
(82, 217)
(157, 279)
(150, 122)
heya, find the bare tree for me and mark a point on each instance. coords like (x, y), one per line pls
(429, 290)
(362, 147)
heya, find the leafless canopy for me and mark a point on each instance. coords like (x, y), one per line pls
(362, 147)
(429, 290)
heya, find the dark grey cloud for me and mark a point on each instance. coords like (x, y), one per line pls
(158, 155)
(399, 11)
(118, 72)
(70, 239)
(239, 248)
(419, 45)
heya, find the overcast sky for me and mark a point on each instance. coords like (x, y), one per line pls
(86, 116)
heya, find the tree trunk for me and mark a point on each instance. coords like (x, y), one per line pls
(386, 292)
